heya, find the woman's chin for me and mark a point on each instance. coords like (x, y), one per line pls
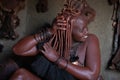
(83, 40)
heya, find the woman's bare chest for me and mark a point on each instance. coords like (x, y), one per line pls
(78, 52)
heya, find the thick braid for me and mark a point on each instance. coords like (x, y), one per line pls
(61, 40)
(75, 5)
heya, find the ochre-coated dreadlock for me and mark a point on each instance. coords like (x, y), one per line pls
(62, 39)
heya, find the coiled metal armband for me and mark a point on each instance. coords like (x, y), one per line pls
(43, 35)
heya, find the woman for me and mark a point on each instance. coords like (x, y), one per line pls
(71, 53)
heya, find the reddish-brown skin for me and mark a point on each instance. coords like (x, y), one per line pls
(23, 74)
(88, 51)
(89, 46)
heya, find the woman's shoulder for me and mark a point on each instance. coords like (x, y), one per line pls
(92, 38)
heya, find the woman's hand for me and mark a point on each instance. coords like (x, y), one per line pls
(49, 52)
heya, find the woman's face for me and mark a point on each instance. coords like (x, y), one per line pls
(80, 30)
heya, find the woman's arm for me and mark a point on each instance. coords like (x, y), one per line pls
(91, 69)
(92, 62)
(26, 46)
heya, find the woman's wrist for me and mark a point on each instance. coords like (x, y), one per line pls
(62, 62)
(36, 37)
(43, 35)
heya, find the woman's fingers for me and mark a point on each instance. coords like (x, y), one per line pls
(63, 21)
(42, 51)
(47, 47)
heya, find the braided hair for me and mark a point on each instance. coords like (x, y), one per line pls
(62, 39)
